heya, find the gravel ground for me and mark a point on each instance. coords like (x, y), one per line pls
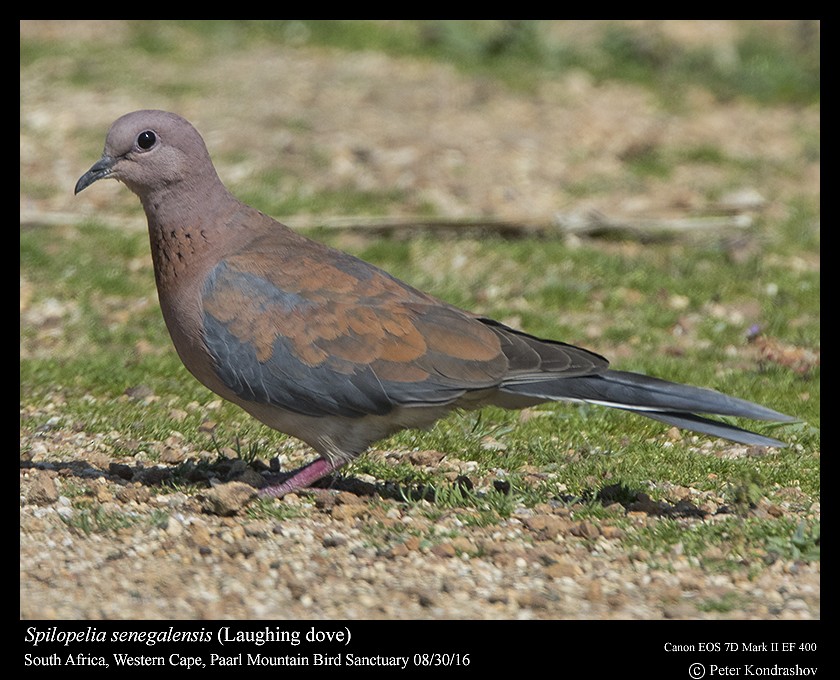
(201, 556)
(492, 152)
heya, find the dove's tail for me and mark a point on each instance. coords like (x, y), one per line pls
(661, 400)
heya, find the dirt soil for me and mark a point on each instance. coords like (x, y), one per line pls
(467, 147)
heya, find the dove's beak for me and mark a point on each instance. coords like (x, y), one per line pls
(102, 168)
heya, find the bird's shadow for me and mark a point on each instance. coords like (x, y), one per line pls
(257, 474)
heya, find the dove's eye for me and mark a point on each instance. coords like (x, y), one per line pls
(146, 139)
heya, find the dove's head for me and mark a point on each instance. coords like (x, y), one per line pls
(150, 151)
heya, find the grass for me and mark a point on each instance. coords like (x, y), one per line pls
(749, 542)
(803, 543)
(93, 357)
(765, 66)
(263, 508)
(346, 201)
(91, 331)
(769, 64)
(726, 603)
(88, 517)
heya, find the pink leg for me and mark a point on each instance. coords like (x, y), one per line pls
(302, 478)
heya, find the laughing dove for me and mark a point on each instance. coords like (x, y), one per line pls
(327, 348)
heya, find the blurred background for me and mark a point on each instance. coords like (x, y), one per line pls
(558, 127)
(509, 119)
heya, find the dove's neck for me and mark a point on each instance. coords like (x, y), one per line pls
(189, 226)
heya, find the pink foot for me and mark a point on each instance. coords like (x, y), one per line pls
(301, 478)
